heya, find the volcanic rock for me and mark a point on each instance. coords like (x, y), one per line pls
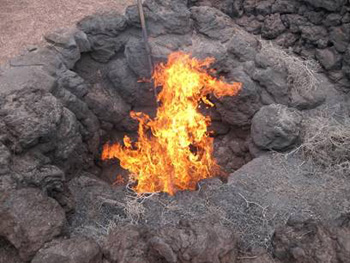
(125, 81)
(312, 241)
(8, 253)
(273, 27)
(330, 59)
(276, 127)
(243, 46)
(172, 17)
(240, 109)
(330, 5)
(186, 242)
(284, 7)
(104, 34)
(340, 37)
(73, 250)
(18, 78)
(29, 115)
(137, 58)
(212, 23)
(4, 159)
(106, 104)
(65, 44)
(28, 219)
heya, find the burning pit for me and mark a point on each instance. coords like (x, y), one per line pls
(174, 150)
(87, 153)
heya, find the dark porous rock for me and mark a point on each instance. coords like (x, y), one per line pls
(29, 115)
(333, 19)
(71, 102)
(82, 41)
(276, 127)
(185, 242)
(46, 59)
(275, 85)
(346, 71)
(231, 151)
(250, 24)
(104, 34)
(284, 7)
(340, 37)
(137, 58)
(220, 243)
(203, 48)
(72, 250)
(314, 17)
(107, 104)
(273, 27)
(329, 58)
(311, 241)
(212, 23)
(19, 78)
(264, 7)
(28, 219)
(125, 81)
(126, 245)
(8, 253)
(330, 5)
(72, 82)
(249, 7)
(110, 24)
(243, 46)
(63, 41)
(317, 35)
(347, 56)
(287, 39)
(237, 8)
(226, 6)
(33, 172)
(68, 139)
(239, 110)
(163, 45)
(5, 156)
(163, 17)
(295, 22)
(7, 183)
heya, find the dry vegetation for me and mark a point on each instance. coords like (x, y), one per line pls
(301, 72)
(24, 22)
(327, 143)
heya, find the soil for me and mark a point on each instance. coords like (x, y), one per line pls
(25, 22)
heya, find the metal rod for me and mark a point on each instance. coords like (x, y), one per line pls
(147, 46)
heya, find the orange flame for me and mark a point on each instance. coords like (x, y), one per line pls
(174, 150)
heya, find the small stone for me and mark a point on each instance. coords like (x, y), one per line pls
(276, 127)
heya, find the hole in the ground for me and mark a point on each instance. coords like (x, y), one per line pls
(190, 123)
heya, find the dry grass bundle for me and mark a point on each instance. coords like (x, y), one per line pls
(327, 143)
(301, 73)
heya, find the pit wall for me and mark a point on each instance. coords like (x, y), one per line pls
(317, 29)
(60, 103)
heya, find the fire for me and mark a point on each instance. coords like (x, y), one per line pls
(174, 150)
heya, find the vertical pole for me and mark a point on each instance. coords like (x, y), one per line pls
(145, 39)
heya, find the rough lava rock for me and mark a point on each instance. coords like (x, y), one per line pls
(28, 219)
(72, 250)
(312, 241)
(186, 242)
(167, 16)
(276, 127)
(330, 5)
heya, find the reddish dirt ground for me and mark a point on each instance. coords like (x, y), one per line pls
(25, 22)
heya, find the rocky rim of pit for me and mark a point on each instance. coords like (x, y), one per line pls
(284, 140)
